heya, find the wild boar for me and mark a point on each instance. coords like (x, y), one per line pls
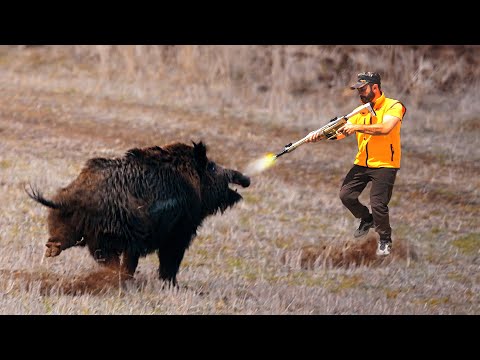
(151, 199)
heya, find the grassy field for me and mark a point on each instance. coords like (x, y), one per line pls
(288, 247)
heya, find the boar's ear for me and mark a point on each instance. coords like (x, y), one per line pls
(200, 154)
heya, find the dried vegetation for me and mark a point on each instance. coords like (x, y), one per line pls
(288, 248)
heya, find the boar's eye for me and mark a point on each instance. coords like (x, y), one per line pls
(212, 166)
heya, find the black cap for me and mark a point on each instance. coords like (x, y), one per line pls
(366, 78)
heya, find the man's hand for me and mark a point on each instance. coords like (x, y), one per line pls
(348, 129)
(314, 136)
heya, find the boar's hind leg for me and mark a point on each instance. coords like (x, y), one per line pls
(170, 259)
(108, 258)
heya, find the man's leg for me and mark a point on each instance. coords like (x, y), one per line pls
(353, 185)
(380, 194)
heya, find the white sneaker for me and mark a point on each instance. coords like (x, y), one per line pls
(384, 247)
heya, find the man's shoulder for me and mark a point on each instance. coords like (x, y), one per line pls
(389, 102)
(395, 107)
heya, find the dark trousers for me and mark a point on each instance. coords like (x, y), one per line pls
(380, 194)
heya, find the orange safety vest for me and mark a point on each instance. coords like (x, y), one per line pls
(380, 151)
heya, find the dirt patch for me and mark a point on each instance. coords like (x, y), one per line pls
(95, 283)
(350, 253)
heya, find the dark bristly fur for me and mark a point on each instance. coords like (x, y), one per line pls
(36, 195)
(152, 199)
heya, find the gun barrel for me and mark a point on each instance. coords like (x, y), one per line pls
(327, 131)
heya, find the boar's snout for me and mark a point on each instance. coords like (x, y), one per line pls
(53, 249)
(238, 178)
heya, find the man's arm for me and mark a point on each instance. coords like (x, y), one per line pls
(384, 128)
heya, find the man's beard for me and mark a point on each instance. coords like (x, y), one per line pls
(367, 98)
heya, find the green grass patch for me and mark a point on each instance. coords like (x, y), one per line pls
(347, 282)
(152, 258)
(251, 198)
(315, 281)
(244, 220)
(250, 275)
(5, 164)
(235, 263)
(436, 230)
(392, 293)
(438, 301)
(47, 303)
(304, 278)
(283, 242)
(469, 244)
(455, 276)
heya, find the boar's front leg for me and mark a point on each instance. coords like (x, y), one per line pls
(170, 258)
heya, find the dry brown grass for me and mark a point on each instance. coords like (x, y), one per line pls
(351, 254)
(98, 282)
(287, 248)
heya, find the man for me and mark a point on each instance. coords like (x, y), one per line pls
(377, 160)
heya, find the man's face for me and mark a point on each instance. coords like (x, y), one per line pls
(366, 93)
